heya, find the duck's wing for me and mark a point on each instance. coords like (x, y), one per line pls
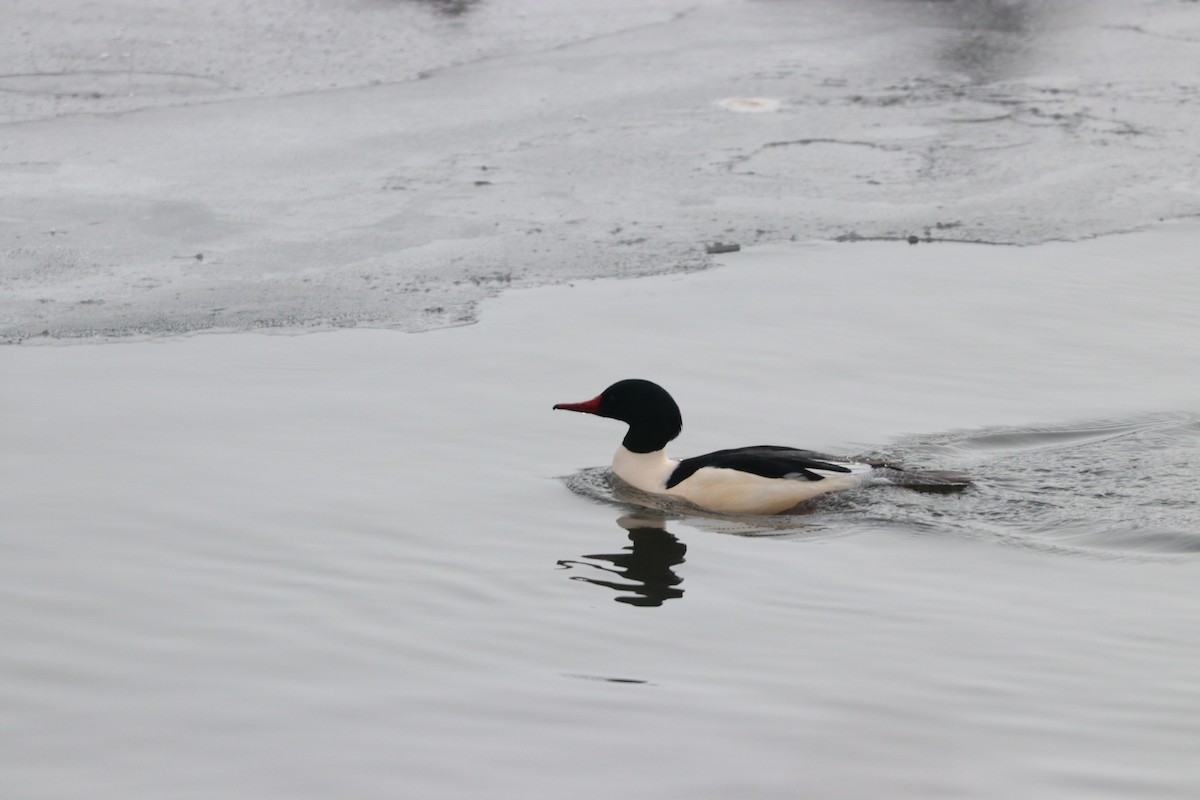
(768, 461)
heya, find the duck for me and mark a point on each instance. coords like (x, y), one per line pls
(761, 479)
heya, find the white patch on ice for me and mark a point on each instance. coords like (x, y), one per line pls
(750, 105)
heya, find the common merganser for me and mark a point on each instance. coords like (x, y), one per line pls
(765, 479)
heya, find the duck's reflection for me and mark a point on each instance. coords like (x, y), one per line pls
(643, 569)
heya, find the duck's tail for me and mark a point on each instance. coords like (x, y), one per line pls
(920, 480)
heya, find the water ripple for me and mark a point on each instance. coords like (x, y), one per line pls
(1108, 488)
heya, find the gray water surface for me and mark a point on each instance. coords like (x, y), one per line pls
(347, 564)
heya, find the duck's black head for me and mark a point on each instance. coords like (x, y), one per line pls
(652, 414)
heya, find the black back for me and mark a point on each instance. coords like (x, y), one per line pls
(769, 461)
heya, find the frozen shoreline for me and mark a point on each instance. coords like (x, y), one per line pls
(598, 150)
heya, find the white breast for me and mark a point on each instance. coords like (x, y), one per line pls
(645, 471)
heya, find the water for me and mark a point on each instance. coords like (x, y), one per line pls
(1135, 473)
(1122, 488)
(352, 564)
